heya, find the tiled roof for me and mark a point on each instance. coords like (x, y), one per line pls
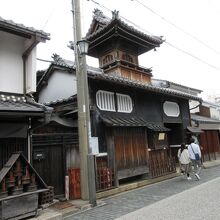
(58, 60)
(166, 83)
(61, 101)
(204, 120)
(19, 104)
(106, 22)
(155, 39)
(100, 17)
(97, 74)
(132, 121)
(195, 130)
(137, 84)
(9, 24)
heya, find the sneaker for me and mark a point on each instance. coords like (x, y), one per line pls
(197, 176)
(189, 178)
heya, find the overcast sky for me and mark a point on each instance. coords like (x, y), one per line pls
(199, 18)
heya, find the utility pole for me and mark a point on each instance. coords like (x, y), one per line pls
(87, 172)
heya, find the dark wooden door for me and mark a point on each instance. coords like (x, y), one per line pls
(11, 145)
(130, 151)
(49, 163)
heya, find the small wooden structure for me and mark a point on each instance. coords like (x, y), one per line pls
(19, 188)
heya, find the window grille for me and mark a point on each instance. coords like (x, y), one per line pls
(105, 100)
(108, 58)
(127, 57)
(124, 103)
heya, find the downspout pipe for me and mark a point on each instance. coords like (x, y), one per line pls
(24, 59)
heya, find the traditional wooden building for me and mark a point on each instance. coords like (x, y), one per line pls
(164, 111)
(19, 113)
(133, 121)
(207, 119)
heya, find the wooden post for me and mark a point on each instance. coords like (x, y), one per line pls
(111, 154)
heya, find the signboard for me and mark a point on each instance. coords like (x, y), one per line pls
(94, 145)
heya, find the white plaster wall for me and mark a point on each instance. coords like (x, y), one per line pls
(60, 85)
(11, 64)
(193, 104)
(214, 113)
(31, 71)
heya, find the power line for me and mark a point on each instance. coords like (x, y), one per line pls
(102, 6)
(168, 43)
(195, 57)
(49, 16)
(177, 27)
(48, 61)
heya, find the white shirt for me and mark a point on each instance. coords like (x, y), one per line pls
(184, 156)
(196, 150)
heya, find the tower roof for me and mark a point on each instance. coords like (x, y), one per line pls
(103, 29)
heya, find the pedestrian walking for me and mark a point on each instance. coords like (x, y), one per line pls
(185, 161)
(195, 156)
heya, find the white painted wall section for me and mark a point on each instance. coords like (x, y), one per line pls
(214, 113)
(31, 71)
(11, 64)
(61, 85)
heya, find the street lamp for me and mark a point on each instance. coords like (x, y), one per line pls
(83, 46)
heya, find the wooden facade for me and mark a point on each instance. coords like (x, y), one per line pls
(130, 151)
(209, 142)
(132, 147)
(52, 147)
(131, 119)
(209, 138)
(134, 150)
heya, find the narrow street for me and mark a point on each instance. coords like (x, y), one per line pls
(200, 202)
(154, 199)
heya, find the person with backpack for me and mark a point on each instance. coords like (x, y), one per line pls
(185, 162)
(195, 156)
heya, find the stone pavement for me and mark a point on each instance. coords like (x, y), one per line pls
(197, 203)
(127, 202)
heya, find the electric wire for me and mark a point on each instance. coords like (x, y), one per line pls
(177, 27)
(168, 43)
(48, 61)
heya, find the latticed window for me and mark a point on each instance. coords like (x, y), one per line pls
(105, 100)
(107, 59)
(124, 103)
(127, 57)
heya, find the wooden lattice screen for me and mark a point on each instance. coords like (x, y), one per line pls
(104, 175)
(161, 163)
